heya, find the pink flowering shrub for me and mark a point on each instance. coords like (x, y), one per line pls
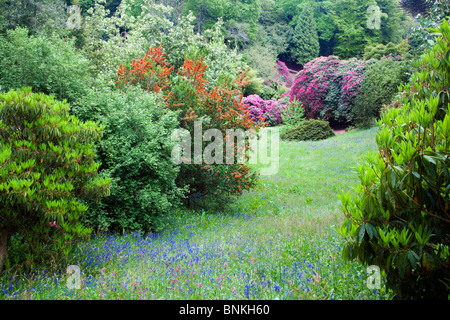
(272, 111)
(254, 104)
(284, 72)
(326, 87)
(261, 110)
(311, 84)
(345, 85)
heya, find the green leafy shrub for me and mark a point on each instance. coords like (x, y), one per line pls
(419, 37)
(275, 34)
(47, 169)
(135, 153)
(379, 87)
(261, 58)
(382, 50)
(48, 65)
(256, 85)
(274, 91)
(399, 218)
(293, 114)
(309, 130)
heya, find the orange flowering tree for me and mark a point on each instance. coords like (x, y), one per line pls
(219, 108)
(151, 73)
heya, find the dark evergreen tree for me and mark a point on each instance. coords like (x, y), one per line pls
(415, 6)
(305, 41)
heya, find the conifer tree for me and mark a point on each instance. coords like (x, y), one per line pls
(305, 42)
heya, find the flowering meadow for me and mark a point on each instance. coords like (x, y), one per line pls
(275, 242)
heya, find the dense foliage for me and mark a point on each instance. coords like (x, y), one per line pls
(309, 130)
(367, 23)
(305, 41)
(38, 16)
(135, 153)
(261, 58)
(420, 38)
(241, 16)
(46, 64)
(274, 27)
(399, 218)
(144, 70)
(380, 50)
(47, 169)
(378, 88)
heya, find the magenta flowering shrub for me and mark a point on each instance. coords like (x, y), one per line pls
(311, 84)
(284, 72)
(346, 83)
(395, 57)
(254, 104)
(352, 74)
(261, 110)
(351, 82)
(326, 87)
(272, 111)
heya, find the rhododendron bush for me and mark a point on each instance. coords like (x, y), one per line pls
(264, 111)
(284, 73)
(326, 87)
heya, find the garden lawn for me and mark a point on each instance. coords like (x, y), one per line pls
(275, 242)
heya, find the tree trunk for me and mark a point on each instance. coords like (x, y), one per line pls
(3, 247)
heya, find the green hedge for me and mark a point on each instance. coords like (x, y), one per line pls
(136, 153)
(309, 130)
(378, 88)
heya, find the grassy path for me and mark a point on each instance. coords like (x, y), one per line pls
(275, 242)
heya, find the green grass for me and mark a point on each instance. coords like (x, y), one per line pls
(274, 242)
